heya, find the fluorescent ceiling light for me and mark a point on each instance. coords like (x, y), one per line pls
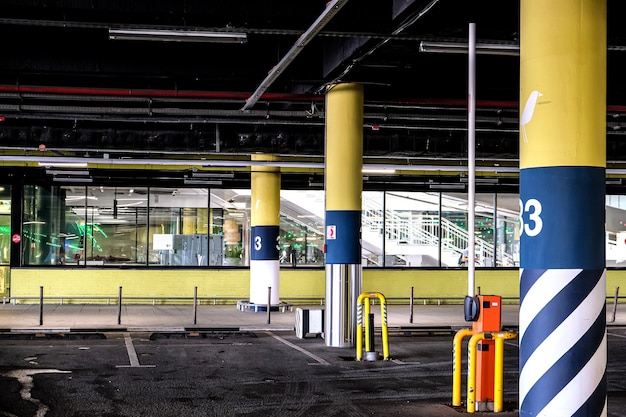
(176, 36)
(462, 48)
(190, 181)
(378, 171)
(66, 172)
(136, 203)
(72, 179)
(79, 197)
(213, 175)
(64, 164)
(447, 186)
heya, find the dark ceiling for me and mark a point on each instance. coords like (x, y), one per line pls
(66, 85)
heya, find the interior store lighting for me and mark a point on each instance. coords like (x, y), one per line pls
(189, 181)
(177, 36)
(66, 172)
(213, 175)
(72, 179)
(63, 164)
(462, 48)
(378, 171)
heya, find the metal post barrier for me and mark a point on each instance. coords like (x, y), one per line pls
(195, 304)
(614, 305)
(369, 346)
(269, 304)
(119, 307)
(411, 308)
(456, 365)
(471, 371)
(363, 309)
(498, 403)
(40, 306)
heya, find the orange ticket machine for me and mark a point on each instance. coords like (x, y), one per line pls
(489, 319)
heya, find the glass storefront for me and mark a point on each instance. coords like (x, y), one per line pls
(198, 227)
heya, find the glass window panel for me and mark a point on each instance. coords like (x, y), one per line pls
(5, 224)
(411, 229)
(507, 230)
(44, 225)
(454, 227)
(615, 230)
(484, 228)
(106, 225)
(230, 217)
(496, 241)
(178, 227)
(302, 214)
(372, 236)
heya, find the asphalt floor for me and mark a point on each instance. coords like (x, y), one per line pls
(137, 317)
(416, 381)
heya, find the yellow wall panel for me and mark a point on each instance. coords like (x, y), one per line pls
(296, 285)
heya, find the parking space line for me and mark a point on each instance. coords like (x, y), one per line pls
(299, 349)
(132, 354)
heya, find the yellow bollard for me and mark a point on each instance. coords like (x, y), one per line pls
(498, 403)
(385, 328)
(363, 309)
(456, 365)
(367, 324)
(471, 371)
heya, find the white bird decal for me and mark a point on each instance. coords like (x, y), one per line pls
(529, 110)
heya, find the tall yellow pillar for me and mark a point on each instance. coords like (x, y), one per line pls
(562, 186)
(265, 228)
(344, 185)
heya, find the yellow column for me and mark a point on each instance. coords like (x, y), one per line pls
(562, 203)
(265, 228)
(343, 183)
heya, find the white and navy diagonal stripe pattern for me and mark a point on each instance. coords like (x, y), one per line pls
(562, 333)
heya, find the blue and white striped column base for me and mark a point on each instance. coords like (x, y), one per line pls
(562, 343)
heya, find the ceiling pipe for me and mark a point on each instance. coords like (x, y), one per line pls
(203, 163)
(130, 92)
(400, 102)
(332, 8)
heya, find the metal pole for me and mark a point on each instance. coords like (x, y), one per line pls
(471, 162)
(195, 304)
(411, 307)
(370, 334)
(119, 307)
(269, 304)
(614, 305)
(40, 306)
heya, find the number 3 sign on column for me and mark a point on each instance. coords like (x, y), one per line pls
(533, 209)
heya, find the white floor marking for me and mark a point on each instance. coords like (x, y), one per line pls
(298, 348)
(24, 377)
(132, 354)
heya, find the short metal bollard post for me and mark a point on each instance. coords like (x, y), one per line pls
(269, 304)
(614, 305)
(40, 306)
(411, 307)
(195, 304)
(119, 307)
